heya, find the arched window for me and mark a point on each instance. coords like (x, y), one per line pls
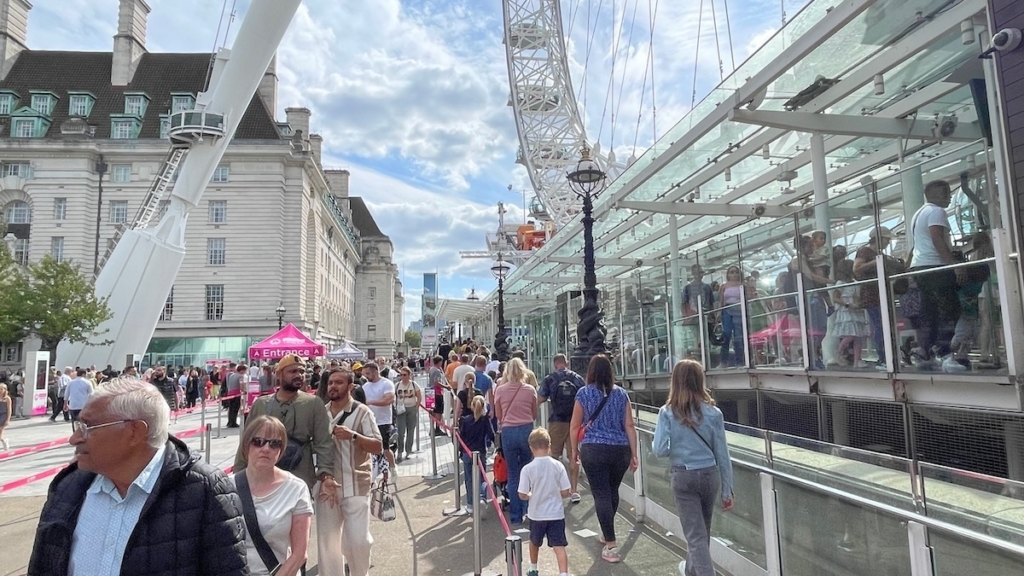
(18, 212)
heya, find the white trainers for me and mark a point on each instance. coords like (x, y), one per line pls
(575, 498)
(682, 568)
(949, 364)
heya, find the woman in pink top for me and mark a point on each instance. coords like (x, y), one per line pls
(515, 406)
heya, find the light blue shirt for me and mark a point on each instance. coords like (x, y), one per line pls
(684, 447)
(107, 521)
(78, 392)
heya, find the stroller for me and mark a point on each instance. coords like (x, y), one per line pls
(500, 484)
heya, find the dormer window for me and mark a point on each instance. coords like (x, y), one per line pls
(135, 104)
(24, 128)
(165, 125)
(80, 104)
(181, 102)
(43, 102)
(124, 127)
(7, 102)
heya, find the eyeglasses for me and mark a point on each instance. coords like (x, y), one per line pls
(82, 428)
(258, 442)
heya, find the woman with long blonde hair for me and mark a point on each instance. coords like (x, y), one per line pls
(515, 406)
(475, 430)
(691, 432)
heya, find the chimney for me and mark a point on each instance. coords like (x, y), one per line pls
(130, 41)
(298, 119)
(13, 32)
(316, 145)
(268, 87)
(337, 181)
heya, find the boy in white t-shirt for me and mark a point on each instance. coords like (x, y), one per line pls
(544, 483)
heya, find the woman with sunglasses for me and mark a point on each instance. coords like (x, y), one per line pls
(283, 508)
(409, 396)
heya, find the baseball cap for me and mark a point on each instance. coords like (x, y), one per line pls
(883, 231)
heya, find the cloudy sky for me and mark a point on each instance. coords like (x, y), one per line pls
(411, 95)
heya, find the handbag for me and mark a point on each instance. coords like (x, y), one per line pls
(583, 429)
(253, 525)
(292, 456)
(382, 503)
(399, 406)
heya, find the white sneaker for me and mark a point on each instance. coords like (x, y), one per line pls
(682, 568)
(949, 364)
(575, 498)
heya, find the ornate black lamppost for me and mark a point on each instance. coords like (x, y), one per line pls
(280, 316)
(500, 271)
(587, 181)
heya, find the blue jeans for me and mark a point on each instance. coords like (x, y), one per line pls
(875, 316)
(467, 468)
(515, 445)
(732, 330)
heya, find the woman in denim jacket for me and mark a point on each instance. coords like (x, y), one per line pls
(691, 432)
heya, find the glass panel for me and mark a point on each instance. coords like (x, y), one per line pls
(822, 535)
(952, 555)
(724, 336)
(986, 504)
(742, 528)
(880, 477)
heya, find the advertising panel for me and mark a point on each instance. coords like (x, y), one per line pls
(429, 314)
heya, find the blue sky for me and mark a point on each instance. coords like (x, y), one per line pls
(411, 96)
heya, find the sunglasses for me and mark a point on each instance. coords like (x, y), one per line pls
(258, 442)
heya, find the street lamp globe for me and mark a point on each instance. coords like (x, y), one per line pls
(587, 177)
(473, 297)
(500, 269)
(280, 315)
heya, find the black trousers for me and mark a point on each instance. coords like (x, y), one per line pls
(605, 466)
(234, 405)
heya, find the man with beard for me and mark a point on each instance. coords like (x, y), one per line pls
(306, 421)
(167, 386)
(343, 529)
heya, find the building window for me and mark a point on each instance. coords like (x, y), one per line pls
(371, 330)
(24, 128)
(221, 175)
(42, 103)
(168, 312)
(80, 105)
(214, 301)
(57, 248)
(21, 251)
(6, 104)
(18, 212)
(215, 248)
(122, 129)
(21, 169)
(165, 125)
(135, 105)
(181, 103)
(218, 211)
(121, 173)
(12, 353)
(373, 292)
(60, 208)
(118, 211)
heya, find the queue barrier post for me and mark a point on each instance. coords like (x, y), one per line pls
(208, 430)
(220, 415)
(204, 443)
(457, 509)
(478, 553)
(433, 457)
(514, 555)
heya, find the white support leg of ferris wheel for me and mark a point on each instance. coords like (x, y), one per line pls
(138, 276)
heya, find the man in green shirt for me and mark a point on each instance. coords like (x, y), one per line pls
(306, 421)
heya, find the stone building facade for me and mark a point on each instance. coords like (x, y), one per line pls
(82, 135)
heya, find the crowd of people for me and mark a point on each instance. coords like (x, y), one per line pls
(135, 500)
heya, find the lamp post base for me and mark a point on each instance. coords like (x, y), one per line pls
(590, 332)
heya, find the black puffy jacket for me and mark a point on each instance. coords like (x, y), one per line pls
(191, 525)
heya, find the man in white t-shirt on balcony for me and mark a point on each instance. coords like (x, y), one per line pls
(933, 249)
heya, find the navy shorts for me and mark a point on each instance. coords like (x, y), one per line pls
(553, 529)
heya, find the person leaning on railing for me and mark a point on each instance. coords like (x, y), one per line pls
(691, 432)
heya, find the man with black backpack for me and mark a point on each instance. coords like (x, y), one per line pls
(560, 387)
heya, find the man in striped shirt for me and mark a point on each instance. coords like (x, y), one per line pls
(344, 529)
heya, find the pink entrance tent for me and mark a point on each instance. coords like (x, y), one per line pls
(288, 340)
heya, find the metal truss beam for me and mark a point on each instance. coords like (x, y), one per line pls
(861, 126)
(598, 261)
(706, 209)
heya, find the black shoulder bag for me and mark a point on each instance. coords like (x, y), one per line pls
(253, 525)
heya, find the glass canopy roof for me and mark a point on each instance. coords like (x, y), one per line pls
(927, 84)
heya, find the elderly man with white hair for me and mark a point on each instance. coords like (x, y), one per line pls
(136, 500)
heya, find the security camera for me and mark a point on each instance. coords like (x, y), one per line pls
(759, 210)
(639, 262)
(1006, 40)
(945, 126)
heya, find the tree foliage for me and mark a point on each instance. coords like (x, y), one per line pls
(52, 301)
(412, 338)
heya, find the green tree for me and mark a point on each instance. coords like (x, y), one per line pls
(11, 291)
(412, 338)
(59, 303)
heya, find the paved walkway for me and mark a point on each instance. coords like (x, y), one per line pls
(422, 541)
